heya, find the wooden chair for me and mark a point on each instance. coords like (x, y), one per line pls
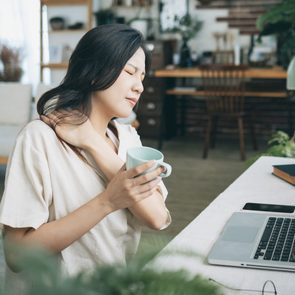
(224, 57)
(224, 92)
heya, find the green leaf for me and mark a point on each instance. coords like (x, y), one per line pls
(133, 279)
(284, 11)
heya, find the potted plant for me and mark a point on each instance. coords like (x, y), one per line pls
(188, 28)
(279, 21)
(11, 60)
(105, 16)
(279, 145)
(133, 279)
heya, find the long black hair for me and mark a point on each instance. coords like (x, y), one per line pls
(95, 64)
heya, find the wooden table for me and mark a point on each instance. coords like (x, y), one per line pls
(254, 73)
(251, 73)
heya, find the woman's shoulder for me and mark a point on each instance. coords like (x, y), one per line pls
(37, 127)
(37, 130)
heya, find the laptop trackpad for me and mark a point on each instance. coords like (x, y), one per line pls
(243, 234)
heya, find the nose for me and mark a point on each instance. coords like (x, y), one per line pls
(138, 86)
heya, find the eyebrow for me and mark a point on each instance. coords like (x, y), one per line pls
(136, 68)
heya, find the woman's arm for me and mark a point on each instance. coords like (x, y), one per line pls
(152, 211)
(124, 190)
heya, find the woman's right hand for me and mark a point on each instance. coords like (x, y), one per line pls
(72, 127)
(131, 186)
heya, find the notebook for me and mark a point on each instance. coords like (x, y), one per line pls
(256, 240)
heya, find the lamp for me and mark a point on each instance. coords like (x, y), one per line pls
(291, 75)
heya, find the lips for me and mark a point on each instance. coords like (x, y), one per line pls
(132, 101)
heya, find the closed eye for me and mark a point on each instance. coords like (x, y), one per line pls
(130, 72)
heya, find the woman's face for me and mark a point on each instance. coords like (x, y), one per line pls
(119, 99)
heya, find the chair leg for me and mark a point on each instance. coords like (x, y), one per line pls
(207, 138)
(162, 124)
(241, 135)
(253, 133)
(214, 131)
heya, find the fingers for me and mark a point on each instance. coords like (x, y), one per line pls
(56, 118)
(148, 177)
(49, 120)
(146, 183)
(133, 172)
(150, 186)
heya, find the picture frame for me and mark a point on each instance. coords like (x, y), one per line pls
(55, 53)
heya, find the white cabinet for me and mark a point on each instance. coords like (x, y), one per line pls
(63, 23)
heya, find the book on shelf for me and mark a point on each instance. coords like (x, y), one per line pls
(285, 172)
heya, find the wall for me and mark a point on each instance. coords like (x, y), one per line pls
(203, 41)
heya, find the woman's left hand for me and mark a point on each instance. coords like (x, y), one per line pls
(67, 125)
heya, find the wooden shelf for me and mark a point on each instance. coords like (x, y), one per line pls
(66, 34)
(241, 12)
(3, 160)
(272, 94)
(238, 3)
(67, 31)
(64, 2)
(55, 65)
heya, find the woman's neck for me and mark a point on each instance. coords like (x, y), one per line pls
(99, 115)
(99, 125)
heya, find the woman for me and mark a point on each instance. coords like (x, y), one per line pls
(67, 189)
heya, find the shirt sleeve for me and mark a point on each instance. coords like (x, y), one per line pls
(27, 194)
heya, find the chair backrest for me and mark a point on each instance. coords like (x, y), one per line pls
(15, 103)
(224, 87)
(224, 57)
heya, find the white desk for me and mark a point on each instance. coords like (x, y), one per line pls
(256, 184)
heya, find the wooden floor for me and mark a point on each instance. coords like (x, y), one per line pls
(194, 182)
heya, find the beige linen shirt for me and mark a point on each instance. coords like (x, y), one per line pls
(45, 181)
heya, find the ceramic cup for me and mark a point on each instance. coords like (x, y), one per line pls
(139, 155)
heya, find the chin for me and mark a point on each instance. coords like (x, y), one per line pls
(124, 113)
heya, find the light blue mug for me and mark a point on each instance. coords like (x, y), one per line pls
(141, 154)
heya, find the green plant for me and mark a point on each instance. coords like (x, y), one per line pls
(133, 279)
(279, 21)
(188, 27)
(279, 145)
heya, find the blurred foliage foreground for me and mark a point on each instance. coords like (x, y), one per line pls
(42, 270)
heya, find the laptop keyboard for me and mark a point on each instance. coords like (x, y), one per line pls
(277, 242)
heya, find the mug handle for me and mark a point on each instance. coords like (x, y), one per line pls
(168, 170)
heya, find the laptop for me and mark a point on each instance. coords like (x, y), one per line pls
(256, 240)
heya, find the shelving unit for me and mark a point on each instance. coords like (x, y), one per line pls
(61, 42)
(132, 3)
